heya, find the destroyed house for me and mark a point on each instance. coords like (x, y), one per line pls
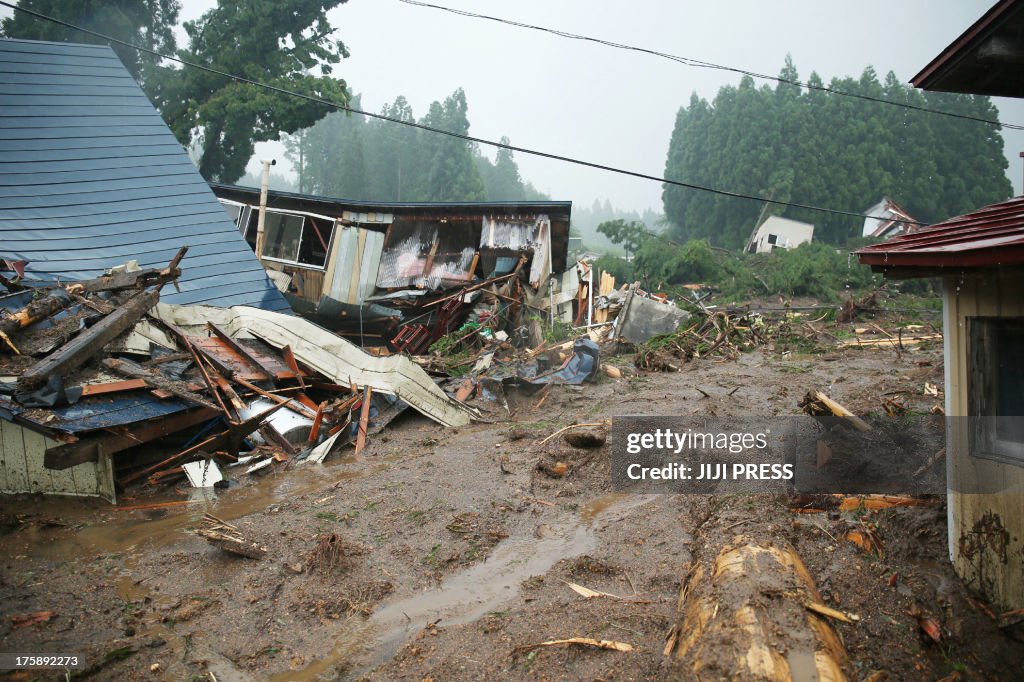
(376, 270)
(91, 178)
(887, 219)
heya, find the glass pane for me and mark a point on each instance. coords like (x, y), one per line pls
(282, 235)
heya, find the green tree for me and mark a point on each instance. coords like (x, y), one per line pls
(146, 23)
(829, 150)
(277, 43)
(631, 235)
(447, 170)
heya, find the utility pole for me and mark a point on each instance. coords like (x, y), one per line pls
(1022, 179)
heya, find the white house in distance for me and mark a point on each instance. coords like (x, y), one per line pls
(779, 233)
(888, 220)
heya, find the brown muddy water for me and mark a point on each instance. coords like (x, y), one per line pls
(360, 646)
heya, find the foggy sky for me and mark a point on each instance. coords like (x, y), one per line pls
(615, 107)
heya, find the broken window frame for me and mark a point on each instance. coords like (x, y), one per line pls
(993, 344)
(306, 218)
(241, 218)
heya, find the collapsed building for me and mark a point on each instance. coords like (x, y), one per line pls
(383, 273)
(132, 310)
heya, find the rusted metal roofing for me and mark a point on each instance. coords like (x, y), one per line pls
(990, 236)
(985, 60)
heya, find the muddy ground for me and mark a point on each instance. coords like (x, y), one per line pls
(440, 552)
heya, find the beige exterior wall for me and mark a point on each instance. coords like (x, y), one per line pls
(986, 531)
(22, 470)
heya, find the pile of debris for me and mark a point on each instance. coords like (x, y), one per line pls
(94, 369)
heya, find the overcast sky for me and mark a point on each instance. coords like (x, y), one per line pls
(616, 107)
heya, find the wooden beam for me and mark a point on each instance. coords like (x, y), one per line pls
(238, 348)
(35, 311)
(87, 344)
(364, 419)
(113, 387)
(175, 388)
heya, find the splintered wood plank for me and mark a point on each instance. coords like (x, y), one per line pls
(269, 358)
(227, 356)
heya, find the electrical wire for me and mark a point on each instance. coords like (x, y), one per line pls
(687, 61)
(439, 131)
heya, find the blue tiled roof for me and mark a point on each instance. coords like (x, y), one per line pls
(90, 177)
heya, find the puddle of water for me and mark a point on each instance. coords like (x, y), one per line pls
(463, 597)
(110, 531)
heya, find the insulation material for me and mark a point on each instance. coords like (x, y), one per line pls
(358, 260)
(323, 352)
(429, 255)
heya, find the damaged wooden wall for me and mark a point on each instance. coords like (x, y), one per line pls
(21, 467)
(986, 528)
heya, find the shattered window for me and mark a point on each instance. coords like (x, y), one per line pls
(995, 367)
(282, 234)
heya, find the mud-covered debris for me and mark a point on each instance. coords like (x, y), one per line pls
(229, 538)
(606, 644)
(829, 612)
(817, 404)
(553, 468)
(586, 437)
(24, 620)
(331, 551)
(575, 426)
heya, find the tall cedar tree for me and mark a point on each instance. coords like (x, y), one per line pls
(828, 150)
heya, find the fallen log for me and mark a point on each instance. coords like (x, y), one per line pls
(729, 630)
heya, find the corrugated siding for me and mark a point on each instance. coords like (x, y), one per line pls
(90, 177)
(987, 571)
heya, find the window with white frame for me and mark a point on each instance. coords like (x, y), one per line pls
(298, 239)
(995, 388)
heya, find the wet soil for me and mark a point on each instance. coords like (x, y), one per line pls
(439, 552)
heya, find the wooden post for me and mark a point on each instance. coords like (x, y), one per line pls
(364, 418)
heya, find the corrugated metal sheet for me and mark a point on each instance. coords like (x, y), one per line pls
(91, 177)
(359, 253)
(993, 235)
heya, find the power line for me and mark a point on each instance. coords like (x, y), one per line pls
(460, 136)
(687, 61)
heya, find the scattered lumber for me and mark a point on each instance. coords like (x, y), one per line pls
(816, 403)
(229, 538)
(35, 311)
(90, 342)
(364, 418)
(155, 380)
(606, 644)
